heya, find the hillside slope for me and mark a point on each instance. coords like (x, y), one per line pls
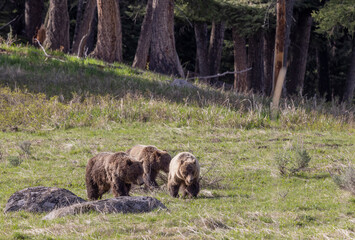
(55, 114)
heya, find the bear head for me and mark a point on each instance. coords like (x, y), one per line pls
(189, 171)
(163, 159)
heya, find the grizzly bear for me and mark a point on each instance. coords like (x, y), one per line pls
(153, 161)
(115, 171)
(184, 174)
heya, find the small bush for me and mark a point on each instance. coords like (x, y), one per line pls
(25, 147)
(346, 179)
(292, 160)
(14, 161)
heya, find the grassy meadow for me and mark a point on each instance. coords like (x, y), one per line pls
(56, 113)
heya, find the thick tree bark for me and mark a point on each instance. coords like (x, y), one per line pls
(297, 68)
(255, 60)
(215, 48)
(33, 17)
(279, 40)
(84, 20)
(145, 38)
(57, 29)
(109, 32)
(268, 48)
(350, 81)
(240, 62)
(323, 71)
(163, 55)
(201, 35)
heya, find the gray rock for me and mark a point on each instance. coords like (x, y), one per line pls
(41, 199)
(124, 204)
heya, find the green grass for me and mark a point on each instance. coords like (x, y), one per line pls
(69, 111)
(40, 93)
(250, 198)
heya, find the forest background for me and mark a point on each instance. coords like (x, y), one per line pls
(287, 174)
(210, 37)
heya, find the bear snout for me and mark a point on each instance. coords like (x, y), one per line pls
(140, 181)
(189, 180)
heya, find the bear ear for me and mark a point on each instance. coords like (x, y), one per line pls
(190, 160)
(129, 162)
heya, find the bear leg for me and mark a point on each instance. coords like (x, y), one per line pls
(119, 188)
(146, 179)
(92, 190)
(174, 189)
(147, 174)
(103, 189)
(153, 176)
(128, 188)
(184, 190)
(193, 189)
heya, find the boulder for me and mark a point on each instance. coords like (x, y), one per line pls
(41, 199)
(124, 204)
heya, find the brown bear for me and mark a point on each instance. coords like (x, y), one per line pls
(184, 174)
(116, 171)
(153, 161)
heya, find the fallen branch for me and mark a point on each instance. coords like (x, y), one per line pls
(82, 45)
(45, 53)
(39, 43)
(220, 74)
(18, 16)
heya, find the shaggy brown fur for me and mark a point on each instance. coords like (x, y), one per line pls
(116, 171)
(153, 161)
(184, 174)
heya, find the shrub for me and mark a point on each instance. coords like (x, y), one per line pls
(25, 147)
(14, 161)
(292, 160)
(346, 179)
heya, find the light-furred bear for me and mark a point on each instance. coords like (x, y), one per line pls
(153, 161)
(184, 174)
(115, 171)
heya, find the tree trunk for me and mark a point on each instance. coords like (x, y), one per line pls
(289, 18)
(323, 71)
(163, 55)
(79, 16)
(92, 39)
(33, 17)
(57, 29)
(268, 49)
(240, 62)
(109, 35)
(255, 61)
(350, 81)
(145, 38)
(201, 35)
(83, 25)
(279, 40)
(297, 68)
(215, 48)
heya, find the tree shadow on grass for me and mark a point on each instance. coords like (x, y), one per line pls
(79, 78)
